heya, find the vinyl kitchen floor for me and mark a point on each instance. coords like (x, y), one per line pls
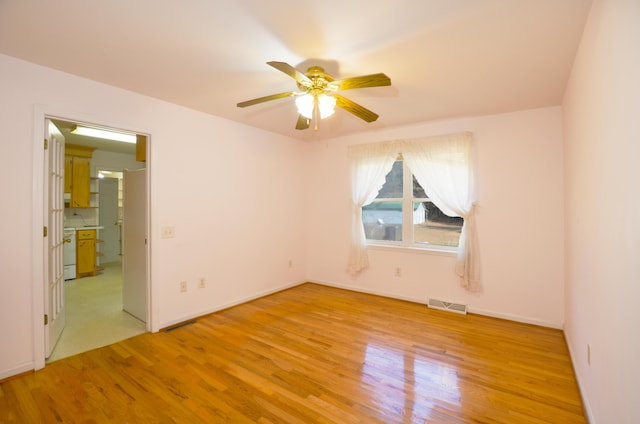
(94, 314)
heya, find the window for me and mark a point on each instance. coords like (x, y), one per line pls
(403, 215)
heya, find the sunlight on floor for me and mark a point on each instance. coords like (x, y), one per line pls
(94, 314)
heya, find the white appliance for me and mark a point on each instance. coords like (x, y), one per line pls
(69, 253)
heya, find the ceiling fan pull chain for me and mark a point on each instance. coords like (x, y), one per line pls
(315, 113)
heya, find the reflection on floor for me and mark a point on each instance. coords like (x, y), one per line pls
(94, 314)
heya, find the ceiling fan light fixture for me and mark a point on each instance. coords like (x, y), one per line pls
(318, 97)
(327, 105)
(306, 104)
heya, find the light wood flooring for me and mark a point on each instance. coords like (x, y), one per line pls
(94, 314)
(311, 354)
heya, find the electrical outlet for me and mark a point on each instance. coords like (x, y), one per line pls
(202, 283)
(168, 232)
(398, 272)
(183, 286)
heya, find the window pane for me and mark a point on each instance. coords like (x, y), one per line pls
(392, 188)
(418, 191)
(432, 226)
(383, 221)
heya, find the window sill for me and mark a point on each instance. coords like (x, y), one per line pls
(428, 250)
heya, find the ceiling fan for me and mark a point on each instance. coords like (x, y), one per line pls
(318, 95)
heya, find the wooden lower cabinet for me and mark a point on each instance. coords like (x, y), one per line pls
(85, 253)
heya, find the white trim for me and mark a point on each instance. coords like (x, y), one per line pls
(430, 250)
(230, 304)
(585, 400)
(37, 281)
(374, 292)
(37, 255)
(28, 366)
(509, 317)
(516, 318)
(153, 296)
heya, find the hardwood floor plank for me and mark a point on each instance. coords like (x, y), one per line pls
(312, 354)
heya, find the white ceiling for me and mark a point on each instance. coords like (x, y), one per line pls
(445, 58)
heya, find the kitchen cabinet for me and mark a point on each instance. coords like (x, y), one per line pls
(80, 183)
(68, 170)
(141, 148)
(86, 253)
(77, 179)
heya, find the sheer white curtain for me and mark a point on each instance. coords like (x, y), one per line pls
(370, 164)
(443, 166)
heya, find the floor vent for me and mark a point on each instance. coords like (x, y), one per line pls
(458, 308)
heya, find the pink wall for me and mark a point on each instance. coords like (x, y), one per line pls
(602, 136)
(244, 202)
(519, 216)
(231, 192)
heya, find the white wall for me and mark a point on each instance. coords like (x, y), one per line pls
(519, 217)
(210, 179)
(602, 115)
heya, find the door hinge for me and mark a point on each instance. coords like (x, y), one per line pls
(45, 231)
(46, 144)
(46, 319)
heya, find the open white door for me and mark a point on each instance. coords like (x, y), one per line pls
(54, 236)
(134, 250)
(108, 218)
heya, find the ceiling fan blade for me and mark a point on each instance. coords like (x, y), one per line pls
(266, 99)
(373, 80)
(292, 72)
(303, 123)
(353, 107)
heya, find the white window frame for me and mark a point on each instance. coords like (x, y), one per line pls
(407, 200)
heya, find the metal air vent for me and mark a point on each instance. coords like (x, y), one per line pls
(458, 308)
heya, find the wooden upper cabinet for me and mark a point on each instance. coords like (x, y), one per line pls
(68, 170)
(77, 175)
(141, 148)
(81, 185)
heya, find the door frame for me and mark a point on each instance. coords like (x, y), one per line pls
(38, 280)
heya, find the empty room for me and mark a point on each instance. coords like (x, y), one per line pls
(417, 211)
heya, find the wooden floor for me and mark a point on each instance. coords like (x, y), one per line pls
(312, 354)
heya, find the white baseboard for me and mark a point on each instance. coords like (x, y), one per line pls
(424, 301)
(16, 370)
(516, 318)
(374, 292)
(585, 400)
(228, 305)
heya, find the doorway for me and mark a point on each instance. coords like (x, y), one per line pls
(94, 300)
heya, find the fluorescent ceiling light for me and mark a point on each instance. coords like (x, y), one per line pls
(106, 134)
